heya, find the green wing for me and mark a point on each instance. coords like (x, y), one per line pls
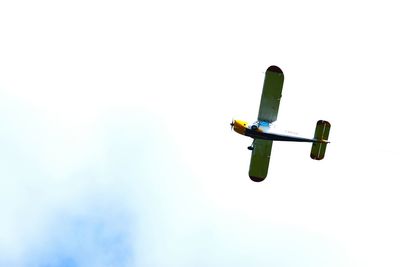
(260, 159)
(271, 95)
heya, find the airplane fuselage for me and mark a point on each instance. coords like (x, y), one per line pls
(267, 131)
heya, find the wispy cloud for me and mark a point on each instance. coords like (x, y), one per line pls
(68, 199)
(113, 194)
(100, 236)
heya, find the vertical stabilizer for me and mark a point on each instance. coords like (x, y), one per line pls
(321, 134)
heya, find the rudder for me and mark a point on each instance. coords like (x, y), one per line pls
(321, 134)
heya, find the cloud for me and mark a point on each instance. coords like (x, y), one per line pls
(100, 236)
(108, 193)
(54, 196)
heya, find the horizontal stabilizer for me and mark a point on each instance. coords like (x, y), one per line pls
(321, 134)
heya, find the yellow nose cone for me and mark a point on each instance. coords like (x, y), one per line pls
(239, 126)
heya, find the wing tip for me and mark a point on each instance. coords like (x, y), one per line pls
(316, 157)
(256, 179)
(327, 123)
(275, 69)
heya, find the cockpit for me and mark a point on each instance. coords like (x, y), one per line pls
(258, 124)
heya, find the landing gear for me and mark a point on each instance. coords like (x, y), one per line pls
(251, 147)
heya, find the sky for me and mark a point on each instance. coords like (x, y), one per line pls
(116, 149)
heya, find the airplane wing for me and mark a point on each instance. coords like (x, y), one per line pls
(260, 159)
(271, 95)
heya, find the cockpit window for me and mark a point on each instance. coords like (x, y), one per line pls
(264, 123)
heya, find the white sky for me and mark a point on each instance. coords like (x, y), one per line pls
(115, 145)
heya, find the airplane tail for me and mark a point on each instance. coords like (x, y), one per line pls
(321, 134)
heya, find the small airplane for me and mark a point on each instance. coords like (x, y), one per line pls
(264, 131)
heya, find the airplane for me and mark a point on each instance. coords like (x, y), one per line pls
(264, 130)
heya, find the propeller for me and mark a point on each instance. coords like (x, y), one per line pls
(232, 124)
